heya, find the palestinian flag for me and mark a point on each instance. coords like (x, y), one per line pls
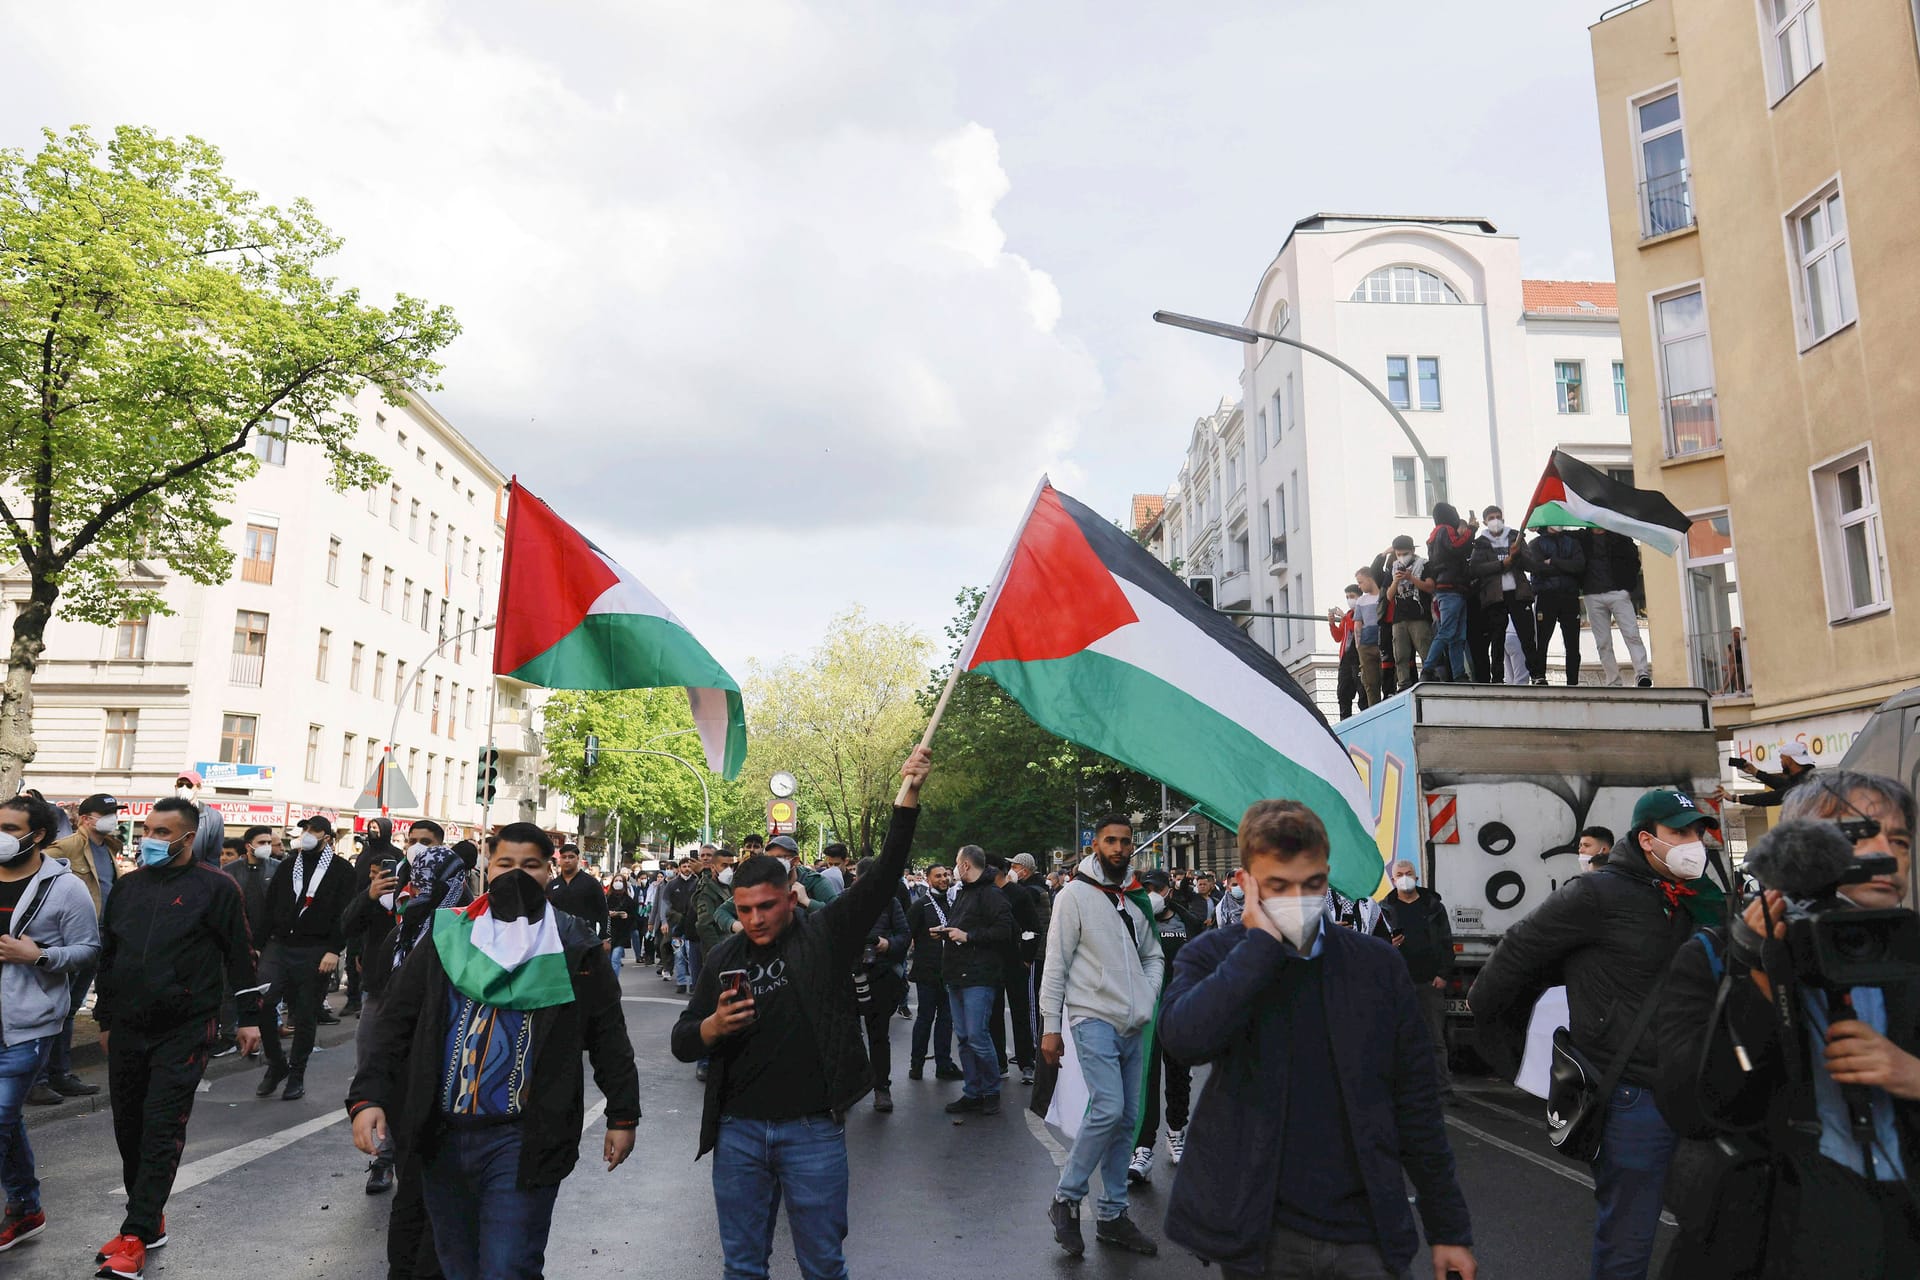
(1572, 495)
(509, 964)
(1104, 646)
(571, 618)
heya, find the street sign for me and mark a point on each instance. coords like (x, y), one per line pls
(399, 794)
(783, 817)
(1086, 837)
(218, 773)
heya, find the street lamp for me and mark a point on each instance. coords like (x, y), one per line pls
(1240, 333)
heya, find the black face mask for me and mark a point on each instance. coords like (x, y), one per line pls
(515, 895)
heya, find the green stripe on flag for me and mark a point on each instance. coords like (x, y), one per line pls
(1551, 515)
(540, 983)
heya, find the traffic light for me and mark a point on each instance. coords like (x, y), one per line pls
(593, 751)
(487, 783)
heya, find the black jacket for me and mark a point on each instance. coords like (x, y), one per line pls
(319, 925)
(365, 926)
(1447, 552)
(173, 944)
(372, 924)
(1216, 1010)
(820, 949)
(927, 914)
(1613, 564)
(1559, 562)
(402, 1065)
(621, 931)
(679, 899)
(1606, 935)
(1485, 568)
(1426, 934)
(981, 912)
(582, 898)
(890, 924)
(1032, 909)
(253, 879)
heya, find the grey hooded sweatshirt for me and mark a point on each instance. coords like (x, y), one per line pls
(59, 916)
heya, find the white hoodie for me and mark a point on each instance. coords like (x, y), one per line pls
(1096, 966)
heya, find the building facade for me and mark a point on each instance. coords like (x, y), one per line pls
(1284, 495)
(282, 686)
(1760, 165)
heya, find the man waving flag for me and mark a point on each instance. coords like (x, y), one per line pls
(1106, 647)
(1573, 495)
(571, 618)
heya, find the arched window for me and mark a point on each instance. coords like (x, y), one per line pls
(1404, 284)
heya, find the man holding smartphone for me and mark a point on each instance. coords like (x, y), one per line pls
(782, 1033)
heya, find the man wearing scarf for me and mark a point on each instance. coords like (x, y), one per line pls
(304, 941)
(476, 1056)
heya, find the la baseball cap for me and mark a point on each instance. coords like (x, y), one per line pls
(1668, 808)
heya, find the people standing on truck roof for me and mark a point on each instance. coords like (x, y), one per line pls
(1497, 564)
(1366, 628)
(1609, 937)
(1558, 562)
(1409, 609)
(1343, 626)
(1446, 580)
(1612, 578)
(1594, 845)
(1419, 926)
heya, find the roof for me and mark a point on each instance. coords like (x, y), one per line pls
(1569, 297)
(1147, 508)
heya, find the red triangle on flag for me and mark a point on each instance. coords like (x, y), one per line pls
(1057, 597)
(549, 577)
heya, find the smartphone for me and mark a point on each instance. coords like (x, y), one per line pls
(388, 865)
(1735, 761)
(734, 980)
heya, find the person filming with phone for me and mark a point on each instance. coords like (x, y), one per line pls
(775, 1013)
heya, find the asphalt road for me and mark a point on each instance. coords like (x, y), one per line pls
(275, 1188)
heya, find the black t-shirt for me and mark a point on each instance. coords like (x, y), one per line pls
(11, 891)
(775, 1073)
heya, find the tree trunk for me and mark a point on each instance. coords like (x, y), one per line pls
(17, 747)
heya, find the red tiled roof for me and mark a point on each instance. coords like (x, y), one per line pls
(1147, 508)
(1566, 296)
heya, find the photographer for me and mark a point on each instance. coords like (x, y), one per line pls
(1789, 1066)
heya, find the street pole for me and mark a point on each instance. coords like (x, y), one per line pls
(400, 705)
(706, 797)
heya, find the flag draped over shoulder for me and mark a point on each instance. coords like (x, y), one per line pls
(1572, 495)
(572, 618)
(1103, 645)
(509, 964)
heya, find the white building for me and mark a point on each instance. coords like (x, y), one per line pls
(282, 685)
(1283, 496)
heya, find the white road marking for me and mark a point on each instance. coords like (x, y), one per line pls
(199, 1171)
(1534, 1157)
(1038, 1128)
(680, 1001)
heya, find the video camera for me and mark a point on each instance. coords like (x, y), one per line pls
(1833, 944)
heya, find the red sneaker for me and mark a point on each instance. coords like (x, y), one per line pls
(21, 1226)
(123, 1257)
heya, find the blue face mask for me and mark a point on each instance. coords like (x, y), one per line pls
(155, 851)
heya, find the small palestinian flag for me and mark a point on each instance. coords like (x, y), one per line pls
(1572, 495)
(509, 964)
(1107, 648)
(571, 618)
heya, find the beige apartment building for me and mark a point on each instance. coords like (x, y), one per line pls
(1763, 183)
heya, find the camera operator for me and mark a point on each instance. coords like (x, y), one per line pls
(1804, 1071)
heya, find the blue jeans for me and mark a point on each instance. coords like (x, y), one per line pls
(613, 957)
(1110, 1063)
(20, 1066)
(484, 1227)
(972, 1007)
(1629, 1177)
(1449, 637)
(933, 1020)
(755, 1164)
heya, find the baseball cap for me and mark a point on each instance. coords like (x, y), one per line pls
(1025, 860)
(1674, 809)
(318, 824)
(1155, 879)
(1796, 751)
(99, 803)
(784, 842)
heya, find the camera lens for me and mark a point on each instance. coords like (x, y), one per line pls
(1858, 943)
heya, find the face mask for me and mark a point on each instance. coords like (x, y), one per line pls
(1686, 860)
(1496, 527)
(1586, 863)
(1404, 884)
(309, 842)
(787, 863)
(1296, 916)
(1239, 894)
(515, 895)
(11, 850)
(1157, 902)
(154, 851)
(263, 851)
(106, 824)
(185, 793)
(725, 876)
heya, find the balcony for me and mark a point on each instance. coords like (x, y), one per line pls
(1693, 422)
(1666, 204)
(249, 669)
(1277, 556)
(1717, 661)
(257, 570)
(1234, 590)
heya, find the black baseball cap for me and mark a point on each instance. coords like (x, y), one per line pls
(317, 823)
(100, 802)
(1155, 879)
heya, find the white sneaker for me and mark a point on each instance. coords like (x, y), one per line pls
(1141, 1168)
(1176, 1145)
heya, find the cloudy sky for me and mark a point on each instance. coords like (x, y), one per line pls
(790, 304)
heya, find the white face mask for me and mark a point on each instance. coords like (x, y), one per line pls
(309, 842)
(1496, 527)
(1157, 902)
(1686, 860)
(1296, 916)
(185, 793)
(725, 876)
(106, 824)
(1405, 884)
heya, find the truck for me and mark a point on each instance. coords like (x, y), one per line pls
(1486, 789)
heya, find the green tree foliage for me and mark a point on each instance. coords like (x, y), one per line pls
(153, 318)
(652, 794)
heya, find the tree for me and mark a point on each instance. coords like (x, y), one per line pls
(841, 720)
(650, 793)
(153, 318)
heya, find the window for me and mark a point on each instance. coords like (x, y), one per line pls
(393, 507)
(1619, 387)
(1846, 496)
(346, 759)
(1237, 553)
(480, 574)
(1436, 481)
(1291, 418)
(400, 438)
(130, 638)
(1666, 201)
(1234, 482)
(373, 759)
(406, 602)
(1428, 368)
(237, 734)
(1293, 483)
(1568, 376)
(379, 674)
(1266, 527)
(380, 420)
(333, 562)
(270, 442)
(420, 456)
(1796, 47)
(433, 530)
(453, 707)
(249, 647)
(459, 633)
(116, 752)
(325, 651)
(354, 666)
(466, 553)
(463, 778)
(1686, 373)
(1260, 431)
(1397, 388)
(1406, 498)
(399, 681)
(313, 753)
(1285, 624)
(1824, 275)
(419, 693)
(1714, 644)
(413, 519)
(435, 726)
(256, 564)
(426, 802)
(426, 608)
(469, 708)
(373, 501)
(1302, 629)
(366, 577)
(386, 588)
(1404, 284)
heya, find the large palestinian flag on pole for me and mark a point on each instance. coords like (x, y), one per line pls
(1572, 495)
(571, 618)
(1103, 645)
